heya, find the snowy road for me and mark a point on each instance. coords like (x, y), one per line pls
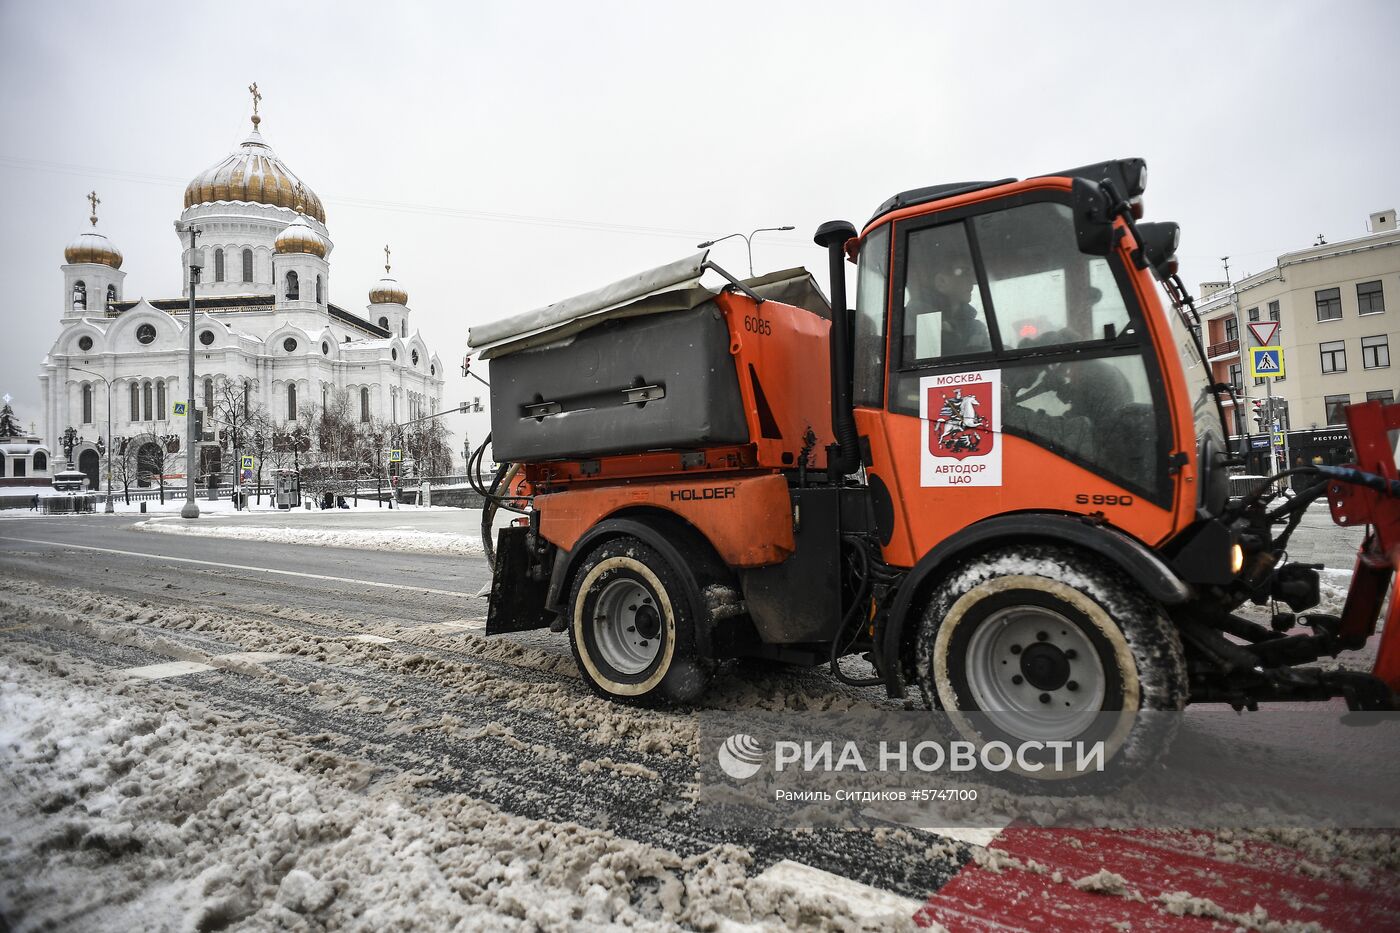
(208, 734)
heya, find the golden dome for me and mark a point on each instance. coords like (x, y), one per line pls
(387, 291)
(298, 237)
(91, 246)
(252, 172)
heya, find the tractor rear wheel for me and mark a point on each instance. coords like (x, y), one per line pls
(632, 623)
(1045, 644)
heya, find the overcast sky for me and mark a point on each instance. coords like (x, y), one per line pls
(516, 154)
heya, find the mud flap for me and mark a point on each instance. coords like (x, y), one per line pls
(517, 597)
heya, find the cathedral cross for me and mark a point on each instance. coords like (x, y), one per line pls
(94, 200)
(253, 89)
(386, 258)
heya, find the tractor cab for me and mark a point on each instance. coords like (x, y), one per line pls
(998, 366)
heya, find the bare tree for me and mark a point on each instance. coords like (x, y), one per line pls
(232, 417)
(124, 466)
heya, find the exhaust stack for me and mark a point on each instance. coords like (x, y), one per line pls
(843, 456)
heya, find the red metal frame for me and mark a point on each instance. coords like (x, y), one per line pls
(1373, 427)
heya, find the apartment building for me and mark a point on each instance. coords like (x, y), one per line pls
(1338, 310)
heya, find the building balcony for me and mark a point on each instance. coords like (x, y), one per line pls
(1223, 350)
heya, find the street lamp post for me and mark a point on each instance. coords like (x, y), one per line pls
(191, 507)
(748, 241)
(111, 445)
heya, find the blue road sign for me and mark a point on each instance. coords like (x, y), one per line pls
(1266, 361)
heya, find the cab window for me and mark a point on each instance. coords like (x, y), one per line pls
(943, 313)
(872, 288)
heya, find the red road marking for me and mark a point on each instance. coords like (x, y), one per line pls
(1279, 880)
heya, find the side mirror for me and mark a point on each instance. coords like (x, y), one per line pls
(1159, 243)
(1093, 224)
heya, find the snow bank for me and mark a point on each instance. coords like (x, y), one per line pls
(377, 539)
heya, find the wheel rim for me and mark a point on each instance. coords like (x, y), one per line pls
(1035, 674)
(627, 626)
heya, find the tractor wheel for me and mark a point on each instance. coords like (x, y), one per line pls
(1042, 643)
(632, 626)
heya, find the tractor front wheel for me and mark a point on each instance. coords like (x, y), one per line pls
(1044, 644)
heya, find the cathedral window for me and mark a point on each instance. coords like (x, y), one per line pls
(293, 288)
(364, 404)
(206, 337)
(80, 295)
(160, 399)
(318, 290)
(146, 333)
(403, 328)
(384, 323)
(247, 265)
(291, 403)
(135, 402)
(290, 345)
(87, 403)
(247, 396)
(415, 357)
(209, 396)
(41, 461)
(111, 294)
(146, 401)
(85, 343)
(218, 265)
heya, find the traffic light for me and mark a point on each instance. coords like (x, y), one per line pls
(466, 366)
(1260, 414)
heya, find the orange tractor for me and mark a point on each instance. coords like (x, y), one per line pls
(993, 479)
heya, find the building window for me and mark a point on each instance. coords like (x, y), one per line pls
(247, 396)
(1237, 376)
(218, 265)
(135, 402)
(1370, 298)
(19, 467)
(403, 328)
(1253, 314)
(1329, 304)
(87, 404)
(111, 294)
(41, 459)
(291, 403)
(80, 295)
(290, 344)
(85, 343)
(318, 290)
(160, 400)
(206, 337)
(209, 396)
(1232, 329)
(325, 395)
(384, 323)
(247, 265)
(1375, 352)
(364, 404)
(146, 400)
(1334, 356)
(1335, 406)
(1273, 310)
(325, 348)
(1385, 396)
(293, 289)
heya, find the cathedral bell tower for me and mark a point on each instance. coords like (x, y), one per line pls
(92, 276)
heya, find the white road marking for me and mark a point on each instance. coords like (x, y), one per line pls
(374, 639)
(863, 901)
(252, 657)
(976, 835)
(287, 573)
(172, 669)
(471, 625)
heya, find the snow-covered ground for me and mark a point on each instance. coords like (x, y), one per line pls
(223, 506)
(390, 539)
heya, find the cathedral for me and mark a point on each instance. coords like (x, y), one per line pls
(264, 321)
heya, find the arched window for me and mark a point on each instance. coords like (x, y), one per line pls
(384, 323)
(247, 396)
(403, 328)
(160, 399)
(364, 404)
(293, 289)
(80, 295)
(291, 403)
(325, 395)
(247, 265)
(87, 403)
(135, 402)
(218, 265)
(393, 404)
(146, 401)
(111, 294)
(318, 290)
(41, 461)
(208, 395)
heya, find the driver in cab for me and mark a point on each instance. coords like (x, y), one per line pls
(939, 317)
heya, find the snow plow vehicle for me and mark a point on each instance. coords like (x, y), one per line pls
(992, 479)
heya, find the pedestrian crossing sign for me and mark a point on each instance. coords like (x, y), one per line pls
(1266, 362)
(247, 463)
(396, 456)
(179, 409)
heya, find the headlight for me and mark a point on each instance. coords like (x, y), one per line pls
(1236, 558)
